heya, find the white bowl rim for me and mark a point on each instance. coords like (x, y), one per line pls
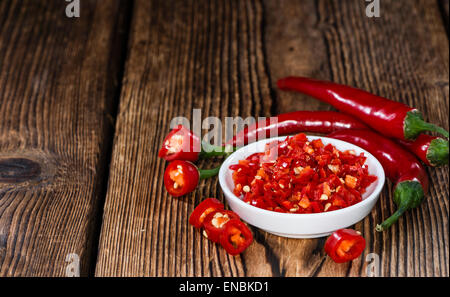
(225, 167)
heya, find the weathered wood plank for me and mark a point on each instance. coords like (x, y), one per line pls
(224, 57)
(58, 79)
(403, 55)
(203, 54)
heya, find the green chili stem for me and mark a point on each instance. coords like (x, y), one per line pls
(407, 195)
(414, 125)
(207, 173)
(438, 152)
(391, 220)
(209, 150)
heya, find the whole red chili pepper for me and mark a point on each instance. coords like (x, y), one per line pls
(182, 177)
(432, 150)
(400, 166)
(183, 144)
(296, 122)
(393, 119)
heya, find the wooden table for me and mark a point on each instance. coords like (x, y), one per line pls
(86, 102)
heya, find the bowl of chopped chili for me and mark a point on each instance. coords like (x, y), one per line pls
(301, 186)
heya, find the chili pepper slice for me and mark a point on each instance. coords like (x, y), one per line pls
(216, 221)
(393, 119)
(183, 144)
(296, 122)
(401, 167)
(206, 207)
(180, 144)
(433, 151)
(182, 177)
(236, 237)
(345, 245)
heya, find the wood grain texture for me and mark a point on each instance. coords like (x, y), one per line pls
(392, 56)
(57, 84)
(203, 54)
(224, 58)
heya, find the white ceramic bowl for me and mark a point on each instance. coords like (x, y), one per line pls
(301, 225)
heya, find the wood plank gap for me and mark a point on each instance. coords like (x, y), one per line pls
(120, 50)
(444, 9)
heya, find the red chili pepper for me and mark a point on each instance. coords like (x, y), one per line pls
(236, 237)
(432, 150)
(393, 119)
(400, 166)
(216, 221)
(206, 207)
(306, 177)
(345, 245)
(182, 177)
(183, 144)
(296, 122)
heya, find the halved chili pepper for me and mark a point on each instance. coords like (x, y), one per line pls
(296, 122)
(345, 245)
(393, 119)
(183, 144)
(216, 221)
(235, 237)
(432, 150)
(182, 177)
(400, 166)
(206, 207)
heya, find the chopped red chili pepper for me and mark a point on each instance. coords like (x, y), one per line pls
(183, 144)
(180, 178)
(206, 207)
(180, 144)
(216, 221)
(236, 237)
(301, 176)
(345, 245)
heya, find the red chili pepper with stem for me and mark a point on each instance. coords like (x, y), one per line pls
(432, 150)
(392, 119)
(295, 122)
(400, 166)
(206, 207)
(182, 177)
(235, 237)
(345, 245)
(183, 144)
